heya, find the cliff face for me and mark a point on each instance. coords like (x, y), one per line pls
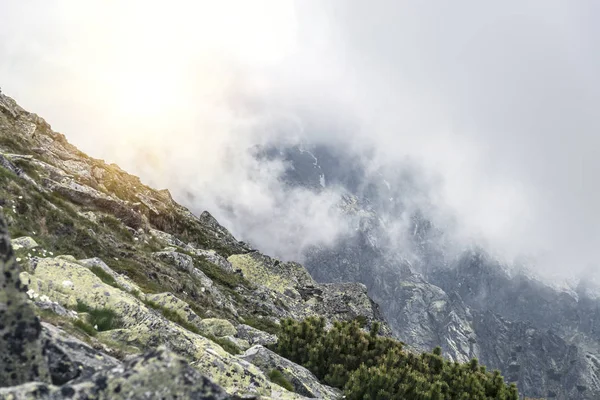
(543, 338)
(136, 293)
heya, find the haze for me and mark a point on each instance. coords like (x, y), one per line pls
(496, 102)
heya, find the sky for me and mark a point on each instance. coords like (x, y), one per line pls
(496, 100)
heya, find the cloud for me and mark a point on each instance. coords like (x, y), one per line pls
(495, 102)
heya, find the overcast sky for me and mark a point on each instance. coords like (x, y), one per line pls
(498, 99)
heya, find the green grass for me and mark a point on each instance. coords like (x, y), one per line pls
(13, 145)
(115, 225)
(104, 318)
(28, 167)
(136, 272)
(85, 327)
(105, 276)
(277, 377)
(218, 275)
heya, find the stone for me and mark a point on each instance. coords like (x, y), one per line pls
(24, 242)
(21, 355)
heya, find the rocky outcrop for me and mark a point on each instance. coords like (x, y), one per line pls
(291, 284)
(21, 356)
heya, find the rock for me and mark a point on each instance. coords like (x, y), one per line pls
(255, 336)
(218, 327)
(167, 238)
(24, 242)
(304, 382)
(21, 355)
(54, 307)
(158, 374)
(69, 358)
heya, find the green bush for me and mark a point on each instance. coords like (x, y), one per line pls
(368, 366)
(277, 377)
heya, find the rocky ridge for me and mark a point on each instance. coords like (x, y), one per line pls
(140, 298)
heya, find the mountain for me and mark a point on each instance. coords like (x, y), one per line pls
(541, 337)
(110, 289)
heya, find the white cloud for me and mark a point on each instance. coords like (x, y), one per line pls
(497, 100)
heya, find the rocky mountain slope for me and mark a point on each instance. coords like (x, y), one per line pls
(543, 338)
(138, 296)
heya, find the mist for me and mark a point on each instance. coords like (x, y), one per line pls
(493, 104)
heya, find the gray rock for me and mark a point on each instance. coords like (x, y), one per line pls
(21, 358)
(304, 382)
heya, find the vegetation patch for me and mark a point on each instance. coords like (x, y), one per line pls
(102, 319)
(85, 327)
(218, 275)
(277, 377)
(105, 276)
(368, 366)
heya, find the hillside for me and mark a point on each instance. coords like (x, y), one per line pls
(140, 298)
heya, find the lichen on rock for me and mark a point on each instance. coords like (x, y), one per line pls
(21, 356)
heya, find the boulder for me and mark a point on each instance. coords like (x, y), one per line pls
(24, 243)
